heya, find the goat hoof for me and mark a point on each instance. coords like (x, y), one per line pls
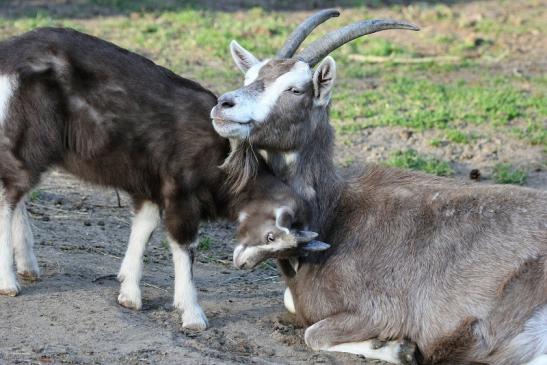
(407, 353)
(194, 320)
(29, 276)
(124, 301)
(10, 291)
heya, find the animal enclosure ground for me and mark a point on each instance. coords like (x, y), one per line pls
(467, 92)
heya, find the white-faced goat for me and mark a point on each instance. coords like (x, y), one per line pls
(113, 118)
(458, 269)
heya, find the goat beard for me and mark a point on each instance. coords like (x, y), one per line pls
(241, 166)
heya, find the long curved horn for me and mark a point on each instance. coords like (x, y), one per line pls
(303, 30)
(319, 49)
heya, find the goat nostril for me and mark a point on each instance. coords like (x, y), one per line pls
(226, 102)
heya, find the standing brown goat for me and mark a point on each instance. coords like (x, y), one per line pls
(113, 118)
(456, 268)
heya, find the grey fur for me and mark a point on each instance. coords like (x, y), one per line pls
(457, 268)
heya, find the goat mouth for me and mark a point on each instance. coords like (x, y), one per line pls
(222, 121)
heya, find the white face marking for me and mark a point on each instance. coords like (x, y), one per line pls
(250, 108)
(185, 298)
(246, 254)
(23, 242)
(252, 74)
(144, 223)
(298, 76)
(8, 83)
(289, 301)
(8, 281)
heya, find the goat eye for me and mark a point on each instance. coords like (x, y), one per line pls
(270, 237)
(295, 91)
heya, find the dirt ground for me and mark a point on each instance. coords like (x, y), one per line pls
(71, 315)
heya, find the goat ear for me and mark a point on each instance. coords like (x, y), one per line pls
(304, 236)
(243, 58)
(316, 246)
(323, 80)
(284, 217)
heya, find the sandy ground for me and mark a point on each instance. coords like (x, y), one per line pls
(71, 314)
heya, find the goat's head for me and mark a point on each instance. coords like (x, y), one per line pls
(265, 232)
(273, 108)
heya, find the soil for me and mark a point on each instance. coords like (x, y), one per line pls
(71, 315)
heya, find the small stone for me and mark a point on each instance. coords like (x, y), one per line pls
(87, 223)
(45, 218)
(475, 174)
(100, 223)
(406, 134)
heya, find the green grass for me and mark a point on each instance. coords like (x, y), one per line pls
(193, 40)
(457, 136)
(410, 159)
(205, 243)
(34, 195)
(505, 173)
(424, 104)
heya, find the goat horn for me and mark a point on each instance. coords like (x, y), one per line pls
(319, 49)
(303, 30)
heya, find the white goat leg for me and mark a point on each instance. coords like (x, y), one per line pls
(144, 223)
(390, 352)
(8, 281)
(23, 244)
(185, 298)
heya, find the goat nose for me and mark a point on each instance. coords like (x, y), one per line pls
(226, 101)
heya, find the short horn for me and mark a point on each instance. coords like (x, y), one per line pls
(319, 49)
(303, 30)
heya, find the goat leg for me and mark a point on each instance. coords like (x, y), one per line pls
(347, 332)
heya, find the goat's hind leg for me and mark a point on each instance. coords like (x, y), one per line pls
(345, 332)
(23, 244)
(147, 218)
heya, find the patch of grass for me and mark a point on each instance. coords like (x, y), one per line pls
(205, 243)
(34, 195)
(505, 173)
(410, 159)
(435, 142)
(456, 136)
(426, 104)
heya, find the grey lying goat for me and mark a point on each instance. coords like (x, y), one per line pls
(458, 269)
(272, 225)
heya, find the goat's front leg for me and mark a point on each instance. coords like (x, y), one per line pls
(8, 280)
(147, 218)
(182, 216)
(347, 332)
(23, 244)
